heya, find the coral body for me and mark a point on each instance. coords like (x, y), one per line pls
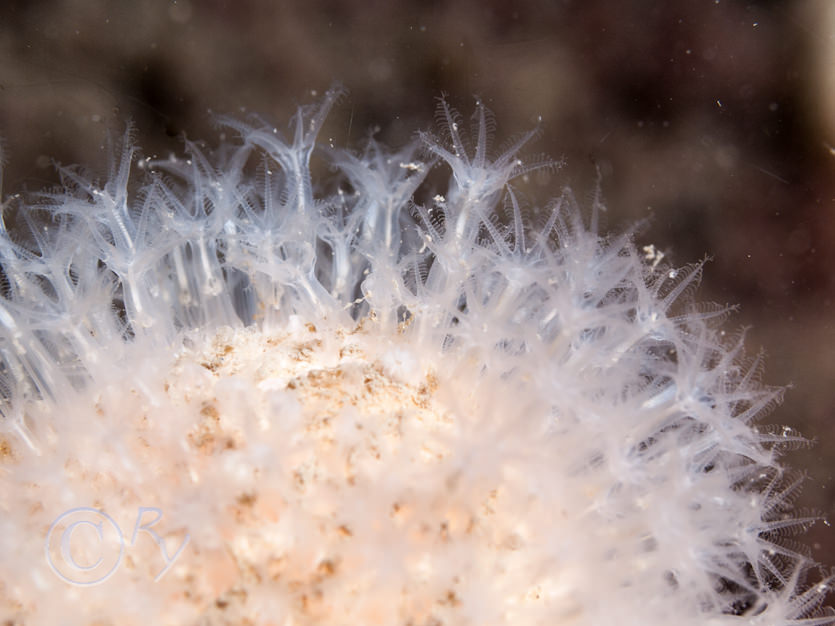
(241, 398)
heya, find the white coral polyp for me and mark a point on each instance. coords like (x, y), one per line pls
(301, 407)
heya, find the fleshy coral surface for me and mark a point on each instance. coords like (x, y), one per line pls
(236, 394)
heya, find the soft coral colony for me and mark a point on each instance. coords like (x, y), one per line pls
(325, 402)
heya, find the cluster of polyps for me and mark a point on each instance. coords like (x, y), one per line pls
(232, 395)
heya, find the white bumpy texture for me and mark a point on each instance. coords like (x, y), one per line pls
(353, 404)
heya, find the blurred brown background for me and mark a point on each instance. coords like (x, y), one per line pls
(715, 119)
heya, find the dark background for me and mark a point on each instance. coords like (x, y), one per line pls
(715, 119)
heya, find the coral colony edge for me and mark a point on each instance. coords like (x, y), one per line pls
(233, 394)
